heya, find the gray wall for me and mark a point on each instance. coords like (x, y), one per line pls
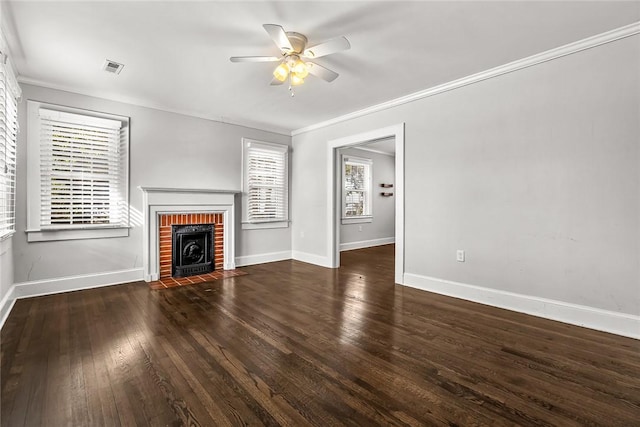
(383, 224)
(208, 153)
(534, 173)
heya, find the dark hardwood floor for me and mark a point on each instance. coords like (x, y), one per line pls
(294, 344)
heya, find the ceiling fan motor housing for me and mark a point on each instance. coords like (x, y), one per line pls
(298, 41)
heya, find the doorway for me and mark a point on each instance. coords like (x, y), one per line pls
(335, 191)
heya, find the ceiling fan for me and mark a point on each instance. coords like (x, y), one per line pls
(294, 64)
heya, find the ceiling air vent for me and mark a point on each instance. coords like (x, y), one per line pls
(112, 67)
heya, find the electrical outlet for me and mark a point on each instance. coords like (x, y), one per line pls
(302, 234)
(460, 255)
(359, 228)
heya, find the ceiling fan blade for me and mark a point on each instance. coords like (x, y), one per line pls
(275, 82)
(279, 36)
(327, 48)
(254, 59)
(322, 72)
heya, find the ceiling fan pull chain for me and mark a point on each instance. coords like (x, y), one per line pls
(291, 87)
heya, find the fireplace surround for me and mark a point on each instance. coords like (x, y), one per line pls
(183, 204)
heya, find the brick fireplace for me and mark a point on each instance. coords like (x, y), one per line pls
(167, 221)
(164, 207)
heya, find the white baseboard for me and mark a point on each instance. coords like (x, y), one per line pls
(241, 261)
(627, 325)
(367, 243)
(320, 260)
(150, 277)
(75, 283)
(6, 304)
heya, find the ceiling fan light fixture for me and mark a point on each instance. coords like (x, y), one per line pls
(300, 69)
(281, 72)
(296, 80)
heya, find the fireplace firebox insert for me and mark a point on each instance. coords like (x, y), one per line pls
(192, 247)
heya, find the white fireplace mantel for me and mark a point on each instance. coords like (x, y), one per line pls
(158, 201)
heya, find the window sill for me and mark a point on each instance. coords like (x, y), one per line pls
(264, 225)
(357, 220)
(87, 233)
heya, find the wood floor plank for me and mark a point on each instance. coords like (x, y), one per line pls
(101, 405)
(295, 344)
(30, 398)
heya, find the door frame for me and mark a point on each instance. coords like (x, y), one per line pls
(334, 192)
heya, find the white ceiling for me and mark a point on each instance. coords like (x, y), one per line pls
(176, 54)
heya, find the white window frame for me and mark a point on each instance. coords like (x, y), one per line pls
(247, 223)
(368, 191)
(36, 232)
(8, 132)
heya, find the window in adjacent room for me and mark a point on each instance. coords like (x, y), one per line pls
(356, 189)
(265, 185)
(78, 173)
(9, 93)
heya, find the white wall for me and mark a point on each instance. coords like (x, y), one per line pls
(381, 228)
(166, 150)
(534, 173)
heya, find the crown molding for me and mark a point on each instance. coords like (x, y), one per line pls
(137, 103)
(549, 55)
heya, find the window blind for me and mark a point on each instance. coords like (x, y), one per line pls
(83, 171)
(9, 93)
(266, 182)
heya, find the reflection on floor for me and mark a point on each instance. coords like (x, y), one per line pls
(377, 260)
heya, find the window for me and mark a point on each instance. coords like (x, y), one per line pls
(265, 185)
(356, 190)
(9, 93)
(78, 180)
